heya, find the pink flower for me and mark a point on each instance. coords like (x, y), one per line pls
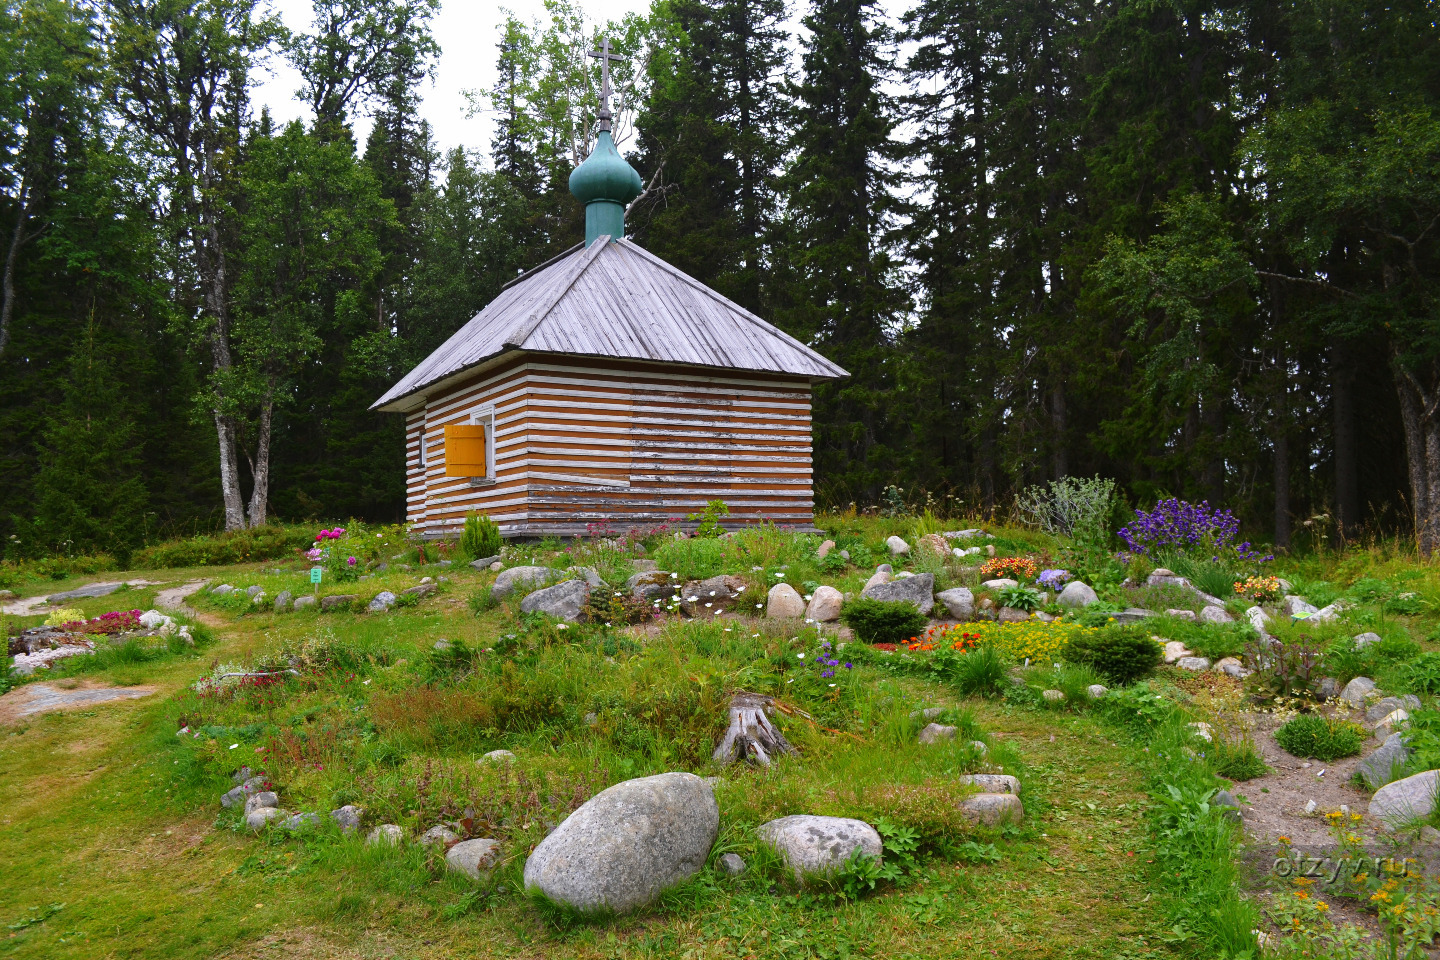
(351, 561)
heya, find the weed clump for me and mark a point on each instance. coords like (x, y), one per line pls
(1121, 654)
(883, 621)
(1311, 735)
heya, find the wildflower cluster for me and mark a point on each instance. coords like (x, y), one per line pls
(324, 535)
(1259, 589)
(117, 621)
(828, 663)
(1188, 528)
(1022, 569)
(1053, 579)
(1034, 640)
(951, 636)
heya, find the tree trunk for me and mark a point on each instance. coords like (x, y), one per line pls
(1342, 408)
(12, 256)
(1282, 482)
(1422, 454)
(1057, 425)
(229, 473)
(260, 491)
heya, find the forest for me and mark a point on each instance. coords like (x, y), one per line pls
(1193, 246)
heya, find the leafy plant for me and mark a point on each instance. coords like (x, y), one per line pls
(694, 558)
(1075, 507)
(1188, 528)
(1324, 738)
(883, 621)
(1021, 598)
(480, 538)
(1422, 675)
(1123, 654)
(615, 608)
(1287, 667)
(709, 519)
(481, 601)
(1213, 576)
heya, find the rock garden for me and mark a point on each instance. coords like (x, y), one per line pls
(899, 736)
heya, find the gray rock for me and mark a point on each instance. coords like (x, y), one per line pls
(1195, 664)
(897, 546)
(252, 591)
(1000, 583)
(814, 846)
(564, 601)
(1327, 614)
(241, 775)
(302, 602)
(993, 809)
(918, 590)
(1327, 688)
(1096, 691)
(717, 594)
(521, 578)
(731, 865)
(824, 550)
(232, 797)
(653, 585)
(1052, 696)
(1011, 615)
(1214, 614)
(937, 733)
(784, 603)
(89, 590)
(483, 563)
(338, 600)
(1366, 639)
(474, 858)
(1232, 667)
(825, 604)
(497, 756)
(257, 819)
(929, 713)
(1226, 803)
(497, 566)
(348, 817)
(219, 591)
(442, 644)
(1298, 606)
(1077, 593)
(383, 601)
(283, 600)
(421, 590)
(1385, 764)
(1403, 801)
(300, 821)
(438, 836)
(884, 568)
(265, 798)
(1357, 690)
(1386, 705)
(876, 578)
(389, 834)
(1133, 615)
(1180, 614)
(590, 575)
(1259, 619)
(993, 782)
(959, 601)
(627, 844)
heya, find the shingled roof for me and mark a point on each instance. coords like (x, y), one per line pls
(612, 300)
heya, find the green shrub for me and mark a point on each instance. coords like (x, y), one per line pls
(615, 608)
(1211, 576)
(1238, 760)
(1020, 598)
(481, 601)
(709, 519)
(481, 537)
(982, 671)
(270, 542)
(1121, 654)
(1311, 735)
(883, 621)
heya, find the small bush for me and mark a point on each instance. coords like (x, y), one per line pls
(1238, 760)
(482, 601)
(883, 621)
(1311, 735)
(271, 542)
(481, 537)
(1121, 654)
(982, 671)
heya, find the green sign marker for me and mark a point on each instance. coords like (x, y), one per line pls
(315, 574)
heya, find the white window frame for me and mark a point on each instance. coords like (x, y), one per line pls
(485, 415)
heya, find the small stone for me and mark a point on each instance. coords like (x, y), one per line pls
(474, 858)
(496, 756)
(383, 601)
(1162, 572)
(825, 605)
(731, 865)
(959, 601)
(1381, 708)
(1096, 691)
(937, 732)
(1195, 664)
(979, 747)
(1077, 594)
(1310, 807)
(1052, 696)
(496, 567)
(1181, 614)
(564, 601)
(438, 836)
(1214, 614)
(1357, 691)
(592, 718)
(389, 834)
(348, 817)
(1202, 730)
(992, 782)
(1232, 667)
(420, 590)
(1133, 615)
(876, 579)
(257, 819)
(784, 603)
(338, 600)
(819, 846)
(254, 591)
(825, 549)
(929, 713)
(283, 600)
(257, 801)
(300, 821)
(221, 590)
(1228, 806)
(1366, 639)
(1387, 762)
(521, 578)
(897, 546)
(1000, 583)
(302, 602)
(443, 644)
(481, 563)
(993, 809)
(1327, 688)
(1175, 651)
(1298, 607)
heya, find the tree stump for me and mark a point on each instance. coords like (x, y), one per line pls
(751, 736)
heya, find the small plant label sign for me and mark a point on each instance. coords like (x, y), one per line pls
(315, 574)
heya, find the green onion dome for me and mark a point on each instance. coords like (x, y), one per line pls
(605, 175)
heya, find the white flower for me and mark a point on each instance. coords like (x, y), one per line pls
(781, 575)
(756, 569)
(692, 599)
(791, 680)
(832, 684)
(712, 593)
(674, 576)
(799, 656)
(561, 626)
(759, 605)
(234, 745)
(710, 604)
(809, 597)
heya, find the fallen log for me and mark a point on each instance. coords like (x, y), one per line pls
(751, 736)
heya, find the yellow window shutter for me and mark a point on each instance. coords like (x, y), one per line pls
(465, 450)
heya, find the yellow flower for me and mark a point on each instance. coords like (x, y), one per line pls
(1321, 905)
(1284, 840)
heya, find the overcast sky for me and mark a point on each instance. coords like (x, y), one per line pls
(468, 31)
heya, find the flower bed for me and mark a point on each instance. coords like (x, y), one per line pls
(117, 621)
(1022, 569)
(1034, 640)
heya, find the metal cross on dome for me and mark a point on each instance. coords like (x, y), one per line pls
(605, 56)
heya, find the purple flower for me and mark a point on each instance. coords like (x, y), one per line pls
(1177, 525)
(849, 665)
(1053, 579)
(826, 673)
(351, 561)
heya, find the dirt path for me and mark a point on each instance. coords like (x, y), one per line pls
(174, 597)
(37, 698)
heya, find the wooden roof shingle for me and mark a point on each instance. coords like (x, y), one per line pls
(612, 299)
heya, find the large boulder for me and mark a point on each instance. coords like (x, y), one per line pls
(589, 574)
(825, 604)
(1378, 710)
(1298, 606)
(716, 595)
(1404, 801)
(784, 603)
(819, 846)
(521, 578)
(1258, 618)
(897, 546)
(959, 601)
(1214, 614)
(627, 844)
(1000, 583)
(918, 590)
(1382, 766)
(934, 544)
(992, 782)
(1357, 690)
(652, 585)
(1077, 593)
(564, 601)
